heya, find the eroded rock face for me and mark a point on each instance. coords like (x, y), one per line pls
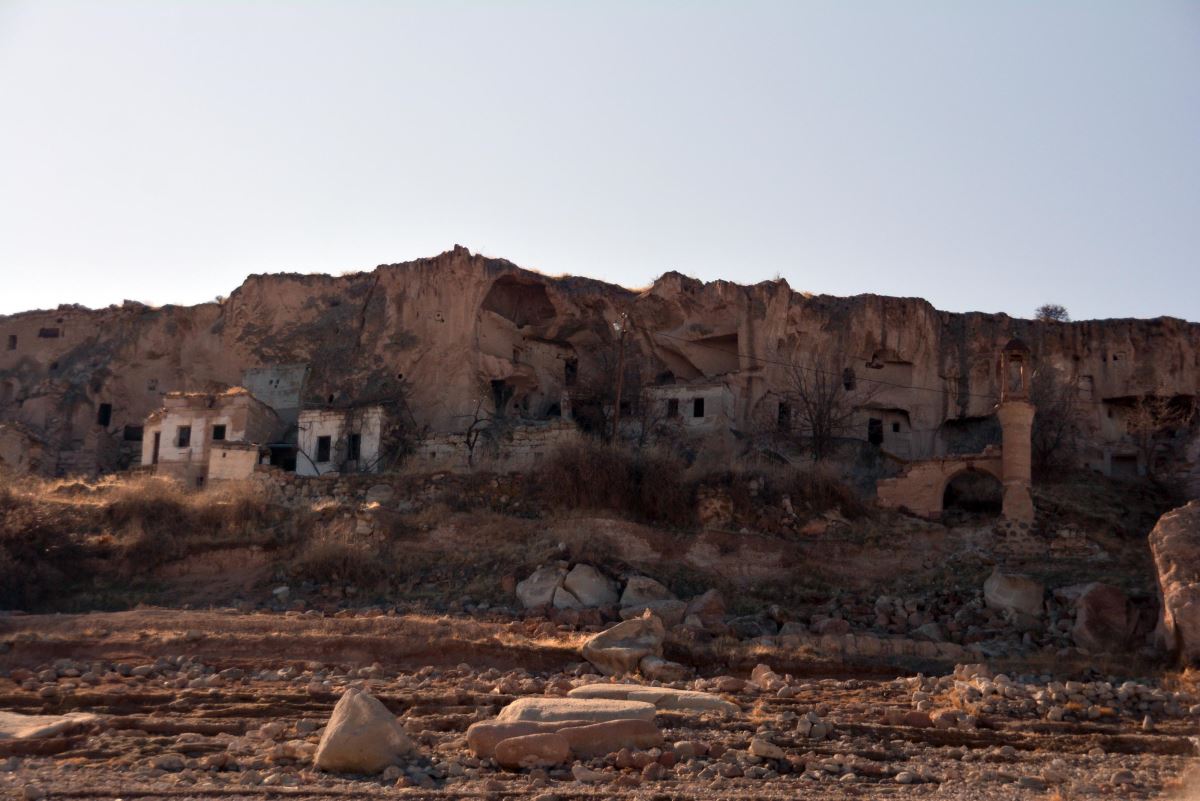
(1175, 545)
(362, 736)
(450, 322)
(620, 648)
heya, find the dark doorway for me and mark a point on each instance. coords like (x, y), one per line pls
(324, 446)
(875, 431)
(970, 494)
(154, 452)
(104, 415)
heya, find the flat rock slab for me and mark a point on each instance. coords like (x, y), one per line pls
(660, 697)
(36, 727)
(593, 710)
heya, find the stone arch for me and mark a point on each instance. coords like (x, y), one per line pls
(974, 488)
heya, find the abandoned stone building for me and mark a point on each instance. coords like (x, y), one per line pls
(339, 440)
(198, 435)
(460, 330)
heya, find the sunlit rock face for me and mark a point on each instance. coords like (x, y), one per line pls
(459, 330)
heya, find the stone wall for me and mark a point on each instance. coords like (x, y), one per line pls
(922, 485)
(516, 448)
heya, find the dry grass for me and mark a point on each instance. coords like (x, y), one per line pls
(645, 485)
(340, 557)
(158, 520)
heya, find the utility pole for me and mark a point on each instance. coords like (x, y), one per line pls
(621, 327)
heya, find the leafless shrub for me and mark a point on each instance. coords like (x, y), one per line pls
(646, 485)
(337, 556)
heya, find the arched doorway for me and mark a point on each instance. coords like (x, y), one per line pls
(972, 494)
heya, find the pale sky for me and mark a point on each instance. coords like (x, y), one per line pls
(984, 155)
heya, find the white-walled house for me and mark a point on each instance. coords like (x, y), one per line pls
(694, 407)
(182, 437)
(340, 440)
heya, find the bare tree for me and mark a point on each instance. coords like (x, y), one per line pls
(821, 406)
(1056, 424)
(1153, 420)
(1052, 312)
(594, 397)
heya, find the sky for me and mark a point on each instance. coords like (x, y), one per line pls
(985, 156)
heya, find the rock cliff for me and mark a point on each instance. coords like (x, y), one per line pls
(459, 327)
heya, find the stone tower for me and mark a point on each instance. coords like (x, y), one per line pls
(1016, 424)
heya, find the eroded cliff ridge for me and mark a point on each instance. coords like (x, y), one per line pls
(460, 329)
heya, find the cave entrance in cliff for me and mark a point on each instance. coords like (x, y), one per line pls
(972, 494)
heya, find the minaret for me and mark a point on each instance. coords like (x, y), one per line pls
(1016, 422)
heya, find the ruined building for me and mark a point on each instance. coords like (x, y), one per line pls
(459, 340)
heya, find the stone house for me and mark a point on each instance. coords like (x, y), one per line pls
(195, 429)
(341, 440)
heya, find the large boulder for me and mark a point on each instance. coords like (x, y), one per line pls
(538, 589)
(484, 736)
(661, 697)
(642, 590)
(1013, 593)
(669, 612)
(590, 586)
(1175, 545)
(589, 710)
(564, 599)
(533, 751)
(620, 648)
(598, 739)
(362, 736)
(1102, 620)
(709, 608)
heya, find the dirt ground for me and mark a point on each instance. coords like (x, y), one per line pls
(221, 704)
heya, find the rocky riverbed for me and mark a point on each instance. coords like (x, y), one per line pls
(189, 704)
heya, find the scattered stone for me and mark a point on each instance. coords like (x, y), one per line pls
(764, 748)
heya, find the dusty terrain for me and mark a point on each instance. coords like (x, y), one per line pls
(225, 704)
(858, 646)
